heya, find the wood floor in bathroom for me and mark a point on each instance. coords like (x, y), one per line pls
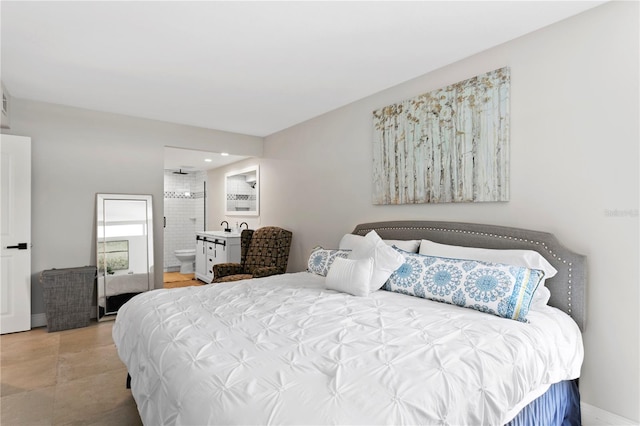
(176, 279)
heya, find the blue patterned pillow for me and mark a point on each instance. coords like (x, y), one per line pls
(495, 288)
(321, 259)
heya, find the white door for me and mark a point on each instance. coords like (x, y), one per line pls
(15, 234)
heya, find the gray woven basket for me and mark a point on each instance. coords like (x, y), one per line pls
(67, 296)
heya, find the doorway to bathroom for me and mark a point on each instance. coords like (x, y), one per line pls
(184, 215)
(185, 208)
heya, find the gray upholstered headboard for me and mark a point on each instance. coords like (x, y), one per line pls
(567, 286)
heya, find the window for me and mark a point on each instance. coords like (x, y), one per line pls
(116, 256)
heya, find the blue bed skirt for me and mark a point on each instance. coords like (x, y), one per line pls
(558, 406)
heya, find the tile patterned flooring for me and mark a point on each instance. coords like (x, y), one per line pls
(70, 377)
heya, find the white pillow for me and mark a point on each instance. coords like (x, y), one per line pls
(527, 258)
(348, 241)
(385, 259)
(350, 276)
(540, 298)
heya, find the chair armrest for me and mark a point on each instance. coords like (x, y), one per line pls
(266, 271)
(223, 269)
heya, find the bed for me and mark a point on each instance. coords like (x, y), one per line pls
(118, 290)
(289, 350)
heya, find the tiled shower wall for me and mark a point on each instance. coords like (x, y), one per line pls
(241, 195)
(184, 213)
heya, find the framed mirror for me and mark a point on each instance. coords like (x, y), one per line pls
(124, 238)
(242, 192)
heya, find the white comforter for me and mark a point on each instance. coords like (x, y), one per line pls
(126, 283)
(284, 350)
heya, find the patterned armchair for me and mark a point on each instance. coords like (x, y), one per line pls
(264, 252)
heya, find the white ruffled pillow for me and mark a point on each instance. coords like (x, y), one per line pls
(349, 241)
(350, 276)
(540, 297)
(525, 258)
(385, 258)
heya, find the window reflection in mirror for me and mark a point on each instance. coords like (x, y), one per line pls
(242, 192)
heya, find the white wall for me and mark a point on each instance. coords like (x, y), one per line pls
(574, 161)
(77, 153)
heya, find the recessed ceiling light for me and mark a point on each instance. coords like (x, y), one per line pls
(208, 160)
(224, 154)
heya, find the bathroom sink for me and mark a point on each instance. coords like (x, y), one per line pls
(219, 234)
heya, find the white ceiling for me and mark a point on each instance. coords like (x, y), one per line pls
(187, 160)
(246, 67)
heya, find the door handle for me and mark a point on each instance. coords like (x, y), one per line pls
(20, 246)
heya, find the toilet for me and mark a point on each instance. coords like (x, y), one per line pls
(186, 257)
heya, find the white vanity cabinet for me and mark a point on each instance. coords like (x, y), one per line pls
(212, 248)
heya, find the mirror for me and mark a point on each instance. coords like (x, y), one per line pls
(242, 192)
(124, 250)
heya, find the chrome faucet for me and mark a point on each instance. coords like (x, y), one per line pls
(226, 229)
(244, 223)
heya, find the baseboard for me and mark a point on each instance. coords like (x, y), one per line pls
(594, 416)
(38, 320)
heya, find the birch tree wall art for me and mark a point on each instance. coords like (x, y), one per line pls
(448, 145)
